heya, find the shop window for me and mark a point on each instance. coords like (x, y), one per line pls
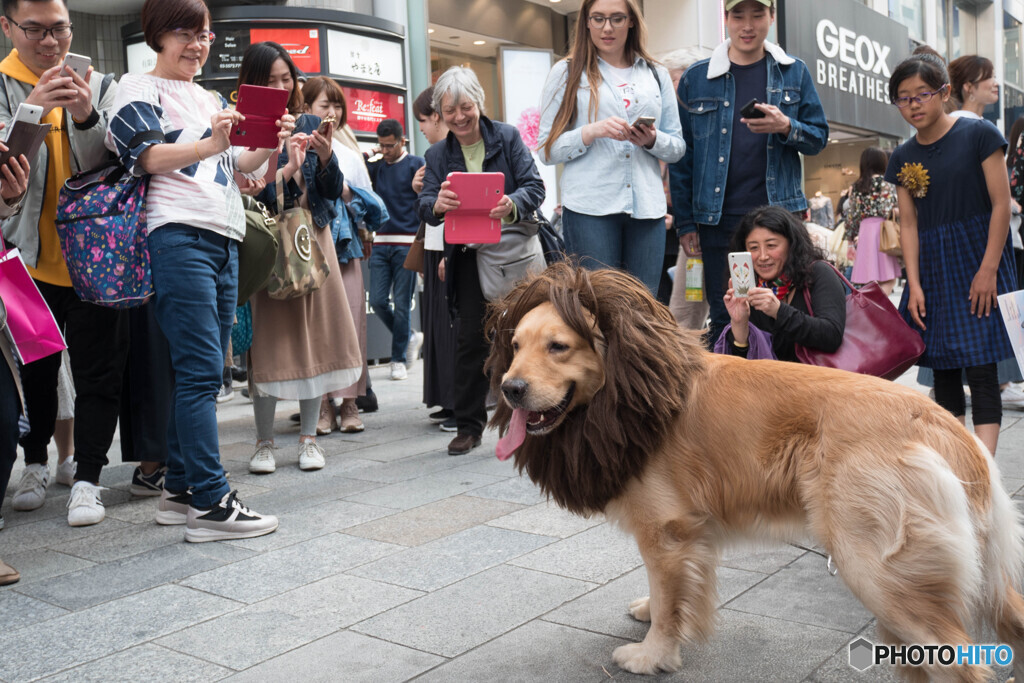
(1013, 72)
(486, 71)
(956, 28)
(1013, 106)
(910, 14)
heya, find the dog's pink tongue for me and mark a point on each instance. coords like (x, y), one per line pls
(514, 435)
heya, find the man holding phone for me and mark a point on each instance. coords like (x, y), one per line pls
(747, 112)
(75, 107)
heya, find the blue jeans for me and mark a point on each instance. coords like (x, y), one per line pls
(195, 275)
(634, 245)
(386, 276)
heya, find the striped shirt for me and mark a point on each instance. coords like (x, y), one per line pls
(204, 194)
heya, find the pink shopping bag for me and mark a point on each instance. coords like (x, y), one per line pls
(29, 322)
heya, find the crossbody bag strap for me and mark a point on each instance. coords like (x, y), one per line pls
(807, 291)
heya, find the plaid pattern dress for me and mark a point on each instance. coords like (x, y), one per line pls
(952, 226)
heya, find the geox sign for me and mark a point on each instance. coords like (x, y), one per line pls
(850, 53)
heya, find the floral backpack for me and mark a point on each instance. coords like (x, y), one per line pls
(101, 221)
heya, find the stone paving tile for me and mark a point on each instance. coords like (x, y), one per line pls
(314, 521)
(536, 651)
(433, 520)
(453, 558)
(278, 571)
(487, 463)
(20, 610)
(405, 469)
(397, 450)
(748, 647)
(432, 487)
(287, 621)
(547, 519)
(353, 657)
(305, 493)
(57, 644)
(53, 533)
(804, 592)
(597, 555)
(837, 668)
(606, 609)
(515, 489)
(103, 582)
(459, 617)
(42, 563)
(132, 540)
(143, 663)
(764, 559)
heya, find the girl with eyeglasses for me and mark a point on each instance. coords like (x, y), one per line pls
(609, 114)
(954, 200)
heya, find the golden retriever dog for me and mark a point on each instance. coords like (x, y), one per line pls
(611, 408)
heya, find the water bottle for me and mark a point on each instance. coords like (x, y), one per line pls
(694, 279)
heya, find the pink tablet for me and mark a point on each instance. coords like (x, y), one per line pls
(478, 194)
(262, 107)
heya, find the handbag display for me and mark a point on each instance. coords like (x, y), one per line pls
(257, 253)
(300, 267)
(876, 340)
(889, 236)
(25, 317)
(502, 264)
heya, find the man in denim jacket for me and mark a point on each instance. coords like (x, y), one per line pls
(735, 164)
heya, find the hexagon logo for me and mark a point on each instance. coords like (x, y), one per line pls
(860, 654)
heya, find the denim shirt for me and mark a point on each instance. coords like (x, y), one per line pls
(706, 100)
(323, 185)
(612, 176)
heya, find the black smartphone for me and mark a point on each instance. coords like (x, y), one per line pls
(749, 112)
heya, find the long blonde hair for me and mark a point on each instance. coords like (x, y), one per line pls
(583, 57)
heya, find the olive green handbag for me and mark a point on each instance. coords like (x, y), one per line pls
(257, 253)
(301, 267)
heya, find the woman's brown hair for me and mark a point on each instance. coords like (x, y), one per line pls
(872, 162)
(583, 57)
(161, 16)
(257, 62)
(318, 85)
(968, 69)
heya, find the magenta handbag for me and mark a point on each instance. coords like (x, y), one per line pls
(29, 323)
(876, 341)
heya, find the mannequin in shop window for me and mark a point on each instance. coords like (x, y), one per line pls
(821, 210)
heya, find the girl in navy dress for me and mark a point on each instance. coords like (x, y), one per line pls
(954, 201)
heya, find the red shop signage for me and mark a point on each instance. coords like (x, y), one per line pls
(367, 108)
(303, 44)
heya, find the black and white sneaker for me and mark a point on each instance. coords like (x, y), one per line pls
(226, 520)
(173, 507)
(148, 484)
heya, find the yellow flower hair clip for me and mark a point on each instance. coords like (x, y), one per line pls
(914, 178)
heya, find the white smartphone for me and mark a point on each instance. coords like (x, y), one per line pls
(29, 113)
(79, 64)
(741, 272)
(644, 121)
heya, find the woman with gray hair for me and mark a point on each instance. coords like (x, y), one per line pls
(475, 144)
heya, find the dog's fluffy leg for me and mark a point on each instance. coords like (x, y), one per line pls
(681, 574)
(1003, 566)
(641, 609)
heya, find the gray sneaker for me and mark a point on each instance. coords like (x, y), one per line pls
(31, 492)
(173, 508)
(226, 520)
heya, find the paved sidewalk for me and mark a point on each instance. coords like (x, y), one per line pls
(395, 562)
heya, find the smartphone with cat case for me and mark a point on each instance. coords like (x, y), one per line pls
(741, 272)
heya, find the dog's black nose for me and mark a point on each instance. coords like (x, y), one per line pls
(514, 390)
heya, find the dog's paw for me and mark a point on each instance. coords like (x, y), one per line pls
(641, 609)
(641, 658)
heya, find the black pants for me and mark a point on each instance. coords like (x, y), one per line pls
(97, 340)
(471, 346)
(148, 389)
(715, 246)
(10, 410)
(986, 404)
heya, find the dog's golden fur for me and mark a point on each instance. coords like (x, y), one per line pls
(687, 450)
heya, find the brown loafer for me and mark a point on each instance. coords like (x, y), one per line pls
(8, 574)
(463, 443)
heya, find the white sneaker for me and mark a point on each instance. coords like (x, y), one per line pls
(85, 506)
(1012, 396)
(311, 456)
(262, 461)
(31, 493)
(66, 472)
(398, 371)
(228, 519)
(412, 351)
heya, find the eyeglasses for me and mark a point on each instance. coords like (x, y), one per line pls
(617, 20)
(390, 146)
(185, 37)
(902, 102)
(61, 32)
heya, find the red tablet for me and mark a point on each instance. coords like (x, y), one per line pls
(478, 194)
(261, 107)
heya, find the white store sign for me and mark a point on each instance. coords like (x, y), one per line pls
(364, 58)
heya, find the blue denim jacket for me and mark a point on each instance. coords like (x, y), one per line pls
(707, 94)
(323, 185)
(612, 176)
